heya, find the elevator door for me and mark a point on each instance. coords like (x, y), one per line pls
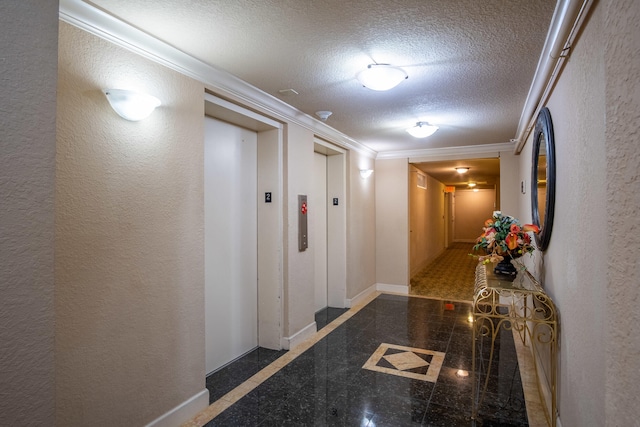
(318, 204)
(230, 229)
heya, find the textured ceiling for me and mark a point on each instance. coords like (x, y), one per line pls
(470, 62)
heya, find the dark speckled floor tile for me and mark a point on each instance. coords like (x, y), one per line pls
(328, 315)
(230, 376)
(444, 416)
(226, 379)
(327, 385)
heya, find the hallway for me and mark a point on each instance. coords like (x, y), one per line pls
(102, 241)
(450, 276)
(393, 361)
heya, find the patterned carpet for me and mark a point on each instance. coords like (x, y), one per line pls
(450, 276)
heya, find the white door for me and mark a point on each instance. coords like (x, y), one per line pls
(318, 207)
(230, 247)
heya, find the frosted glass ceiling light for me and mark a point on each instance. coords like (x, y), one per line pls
(422, 130)
(130, 105)
(381, 76)
(462, 170)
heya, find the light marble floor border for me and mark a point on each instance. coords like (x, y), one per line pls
(535, 411)
(217, 407)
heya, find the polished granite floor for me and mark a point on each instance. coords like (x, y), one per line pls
(398, 361)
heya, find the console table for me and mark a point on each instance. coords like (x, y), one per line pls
(515, 304)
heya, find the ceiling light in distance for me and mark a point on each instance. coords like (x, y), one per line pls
(471, 184)
(462, 170)
(130, 105)
(381, 76)
(323, 115)
(422, 130)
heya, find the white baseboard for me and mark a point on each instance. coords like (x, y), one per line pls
(376, 287)
(395, 289)
(348, 303)
(183, 412)
(290, 342)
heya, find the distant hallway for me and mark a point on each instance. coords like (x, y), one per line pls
(450, 276)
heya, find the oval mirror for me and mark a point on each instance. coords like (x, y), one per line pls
(543, 178)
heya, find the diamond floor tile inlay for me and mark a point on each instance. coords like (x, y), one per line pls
(407, 362)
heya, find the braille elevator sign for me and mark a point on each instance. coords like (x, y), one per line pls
(335, 201)
(267, 197)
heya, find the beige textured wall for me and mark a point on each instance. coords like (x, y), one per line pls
(590, 268)
(622, 146)
(392, 221)
(472, 209)
(28, 63)
(129, 239)
(361, 225)
(426, 219)
(573, 272)
(299, 308)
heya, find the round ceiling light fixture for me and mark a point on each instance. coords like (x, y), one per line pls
(422, 130)
(462, 170)
(381, 76)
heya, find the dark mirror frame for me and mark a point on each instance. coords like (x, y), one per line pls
(544, 127)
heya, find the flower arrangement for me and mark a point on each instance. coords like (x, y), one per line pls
(504, 236)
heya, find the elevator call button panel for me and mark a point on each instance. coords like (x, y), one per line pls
(303, 243)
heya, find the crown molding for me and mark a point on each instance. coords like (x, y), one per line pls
(449, 153)
(101, 24)
(568, 18)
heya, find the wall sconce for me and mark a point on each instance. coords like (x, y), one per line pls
(422, 130)
(365, 173)
(130, 105)
(381, 76)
